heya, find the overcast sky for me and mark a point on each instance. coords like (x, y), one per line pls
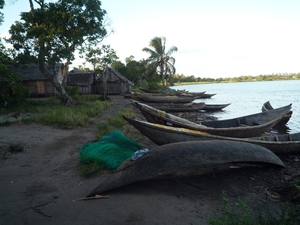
(215, 38)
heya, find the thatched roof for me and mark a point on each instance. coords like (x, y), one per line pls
(80, 78)
(31, 71)
(121, 77)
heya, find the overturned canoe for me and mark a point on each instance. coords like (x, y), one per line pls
(247, 126)
(204, 156)
(267, 106)
(161, 135)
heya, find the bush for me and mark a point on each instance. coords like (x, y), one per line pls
(73, 91)
(12, 89)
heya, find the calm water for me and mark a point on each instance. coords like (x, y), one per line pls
(248, 98)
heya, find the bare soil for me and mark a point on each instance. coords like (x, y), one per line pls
(39, 184)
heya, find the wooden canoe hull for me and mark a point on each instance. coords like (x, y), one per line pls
(161, 135)
(241, 127)
(164, 98)
(168, 107)
(177, 92)
(205, 95)
(203, 156)
(267, 106)
(215, 107)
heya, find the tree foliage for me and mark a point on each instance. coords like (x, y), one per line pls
(99, 57)
(268, 77)
(160, 59)
(12, 89)
(54, 31)
(1, 14)
(120, 67)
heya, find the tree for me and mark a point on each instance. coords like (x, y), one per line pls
(54, 31)
(120, 67)
(161, 59)
(1, 14)
(99, 57)
(12, 89)
(136, 70)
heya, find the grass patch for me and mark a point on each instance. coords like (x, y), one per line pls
(5, 123)
(90, 169)
(241, 214)
(51, 112)
(115, 122)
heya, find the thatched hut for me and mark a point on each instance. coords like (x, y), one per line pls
(116, 83)
(32, 77)
(83, 80)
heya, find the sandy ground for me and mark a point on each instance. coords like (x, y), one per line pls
(38, 185)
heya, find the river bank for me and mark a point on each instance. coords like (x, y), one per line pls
(38, 185)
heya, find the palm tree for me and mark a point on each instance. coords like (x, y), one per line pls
(162, 61)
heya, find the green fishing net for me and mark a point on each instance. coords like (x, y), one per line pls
(109, 151)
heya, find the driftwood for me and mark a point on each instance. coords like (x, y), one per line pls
(203, 156)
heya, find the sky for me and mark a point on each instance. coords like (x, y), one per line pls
(215, 38)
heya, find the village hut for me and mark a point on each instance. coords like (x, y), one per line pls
(116, 83)
(83, 80)
(33, 78)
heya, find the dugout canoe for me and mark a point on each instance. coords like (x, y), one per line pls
(149, 91)
(215, 107)
(158, 98)
(196, 94)
(242, 127)
(173, 92)
(205, 95)
(203, 156)
(267, 106)
(187, 107)
(280, 144)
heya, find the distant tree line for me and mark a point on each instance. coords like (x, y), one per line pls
(269, 77)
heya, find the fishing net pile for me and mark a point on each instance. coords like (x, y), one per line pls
(109, 151)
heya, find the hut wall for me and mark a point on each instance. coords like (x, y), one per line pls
(32, 87)
(40, 88)
(85, 89)
(40, 85)
(50, 90)
(113, 88)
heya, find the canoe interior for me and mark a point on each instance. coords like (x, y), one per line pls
(267, 106)
(249, 120)
(280, 138)
(155, 115)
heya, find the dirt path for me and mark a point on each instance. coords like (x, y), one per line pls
(38, 185)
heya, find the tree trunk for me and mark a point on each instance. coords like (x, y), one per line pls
(61, 93)
(65, 99)
(104, 83)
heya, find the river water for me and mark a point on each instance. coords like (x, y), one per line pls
(248, 97)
